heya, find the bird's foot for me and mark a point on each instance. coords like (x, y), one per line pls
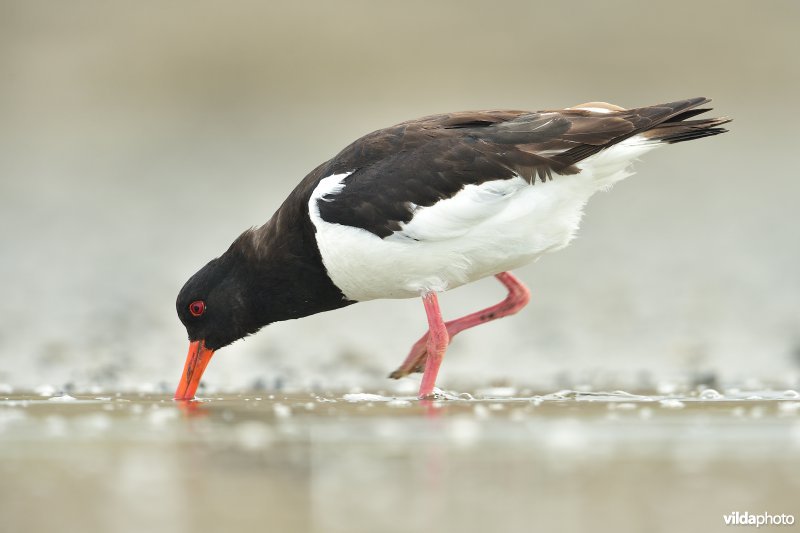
(415, 362)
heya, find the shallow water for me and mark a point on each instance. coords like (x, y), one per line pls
(495, 460)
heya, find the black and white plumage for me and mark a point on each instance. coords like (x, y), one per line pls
(423, 207)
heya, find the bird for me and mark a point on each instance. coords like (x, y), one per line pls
(422, 207)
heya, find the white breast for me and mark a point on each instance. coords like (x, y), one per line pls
(482, 230)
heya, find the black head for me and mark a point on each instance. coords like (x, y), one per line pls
(215, 304)
(220, 304)
(258, 281)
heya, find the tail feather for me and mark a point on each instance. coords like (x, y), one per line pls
(675, 131)
(688, 114)
(655, 124)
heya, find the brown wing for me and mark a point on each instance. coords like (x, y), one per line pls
(420, 162)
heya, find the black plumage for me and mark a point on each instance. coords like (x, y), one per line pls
(417, 163)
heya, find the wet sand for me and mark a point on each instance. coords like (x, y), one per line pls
(502, 460)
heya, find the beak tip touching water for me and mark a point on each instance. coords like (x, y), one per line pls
(196, 361)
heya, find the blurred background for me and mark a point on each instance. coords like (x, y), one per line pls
(138, 139)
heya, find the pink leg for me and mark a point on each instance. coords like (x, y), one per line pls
(436, 345)
(518, 297)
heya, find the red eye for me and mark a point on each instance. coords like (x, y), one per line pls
(197, 308)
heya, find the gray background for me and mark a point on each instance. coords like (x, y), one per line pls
(138, 139)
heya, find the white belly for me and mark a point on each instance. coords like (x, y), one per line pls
(483, 230)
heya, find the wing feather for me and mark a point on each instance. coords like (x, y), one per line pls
(397, 170)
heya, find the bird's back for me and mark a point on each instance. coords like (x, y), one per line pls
(436, 202)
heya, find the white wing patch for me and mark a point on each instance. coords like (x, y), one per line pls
(456, 216)
(598, 107)
(329, 186)
(615, 163)
(484, 229)
(592, 109)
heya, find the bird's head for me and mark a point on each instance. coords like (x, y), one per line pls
(215, 307)
(264, 277)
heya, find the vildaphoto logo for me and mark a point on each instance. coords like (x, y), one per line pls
(764, 519)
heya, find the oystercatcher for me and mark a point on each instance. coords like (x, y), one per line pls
(420, 208)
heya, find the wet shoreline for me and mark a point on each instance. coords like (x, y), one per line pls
(306, 461)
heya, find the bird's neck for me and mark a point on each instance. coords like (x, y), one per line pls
(291, 287)
(285, 273)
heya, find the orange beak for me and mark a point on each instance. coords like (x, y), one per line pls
(196, 362)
